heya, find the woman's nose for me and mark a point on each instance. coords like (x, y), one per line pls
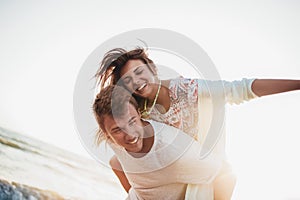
(135, 80)
(136, 83)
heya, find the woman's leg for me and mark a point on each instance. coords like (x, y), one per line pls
(224, 183)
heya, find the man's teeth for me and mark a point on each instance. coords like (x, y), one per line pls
(141, 87)
(134, 141)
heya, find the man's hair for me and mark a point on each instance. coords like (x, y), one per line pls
(113, 61)
(110, 101)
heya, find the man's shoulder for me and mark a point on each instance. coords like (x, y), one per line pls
(164, 131)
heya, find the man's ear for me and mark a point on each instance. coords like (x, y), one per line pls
(107, 135)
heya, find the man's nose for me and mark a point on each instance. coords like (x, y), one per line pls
(130, 136)
(127, 130)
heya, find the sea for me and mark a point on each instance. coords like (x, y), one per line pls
(32, 169)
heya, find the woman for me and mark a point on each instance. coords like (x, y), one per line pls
(183, 103)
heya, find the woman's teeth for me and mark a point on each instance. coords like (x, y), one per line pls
(141, 87)
(134, 141)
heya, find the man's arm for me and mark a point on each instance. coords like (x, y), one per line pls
(118, 170)
(263, 87)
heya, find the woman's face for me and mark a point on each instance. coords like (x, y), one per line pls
(138, 79)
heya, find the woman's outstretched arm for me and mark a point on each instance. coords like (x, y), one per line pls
(263, 87)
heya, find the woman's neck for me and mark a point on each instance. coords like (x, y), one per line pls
(163, 101)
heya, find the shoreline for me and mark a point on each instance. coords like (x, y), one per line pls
(14, 190)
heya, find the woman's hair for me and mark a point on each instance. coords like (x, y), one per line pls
(111, 101)
(113, 61)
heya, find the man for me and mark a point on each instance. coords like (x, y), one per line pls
(157, 161)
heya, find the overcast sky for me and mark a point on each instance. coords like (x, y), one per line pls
(43, 45)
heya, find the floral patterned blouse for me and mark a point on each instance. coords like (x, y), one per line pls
(183, 111)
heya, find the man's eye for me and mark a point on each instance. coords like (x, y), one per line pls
(116, 131)
(132, 123)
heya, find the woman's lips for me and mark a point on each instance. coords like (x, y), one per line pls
(141, 87)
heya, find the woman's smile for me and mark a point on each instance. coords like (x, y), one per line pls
(141, 87)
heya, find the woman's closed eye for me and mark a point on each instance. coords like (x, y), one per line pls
(139, 71)
(126, 80)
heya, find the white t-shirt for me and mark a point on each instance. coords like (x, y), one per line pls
(169, 166)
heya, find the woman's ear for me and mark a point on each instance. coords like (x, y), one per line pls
(154, 69)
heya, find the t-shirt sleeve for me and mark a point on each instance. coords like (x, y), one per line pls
(233, 92)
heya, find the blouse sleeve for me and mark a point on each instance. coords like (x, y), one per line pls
(234, 92)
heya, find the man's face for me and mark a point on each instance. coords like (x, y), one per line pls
(127, 130)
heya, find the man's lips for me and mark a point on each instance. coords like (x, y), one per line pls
(134, 140)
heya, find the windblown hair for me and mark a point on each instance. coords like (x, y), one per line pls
(111, 101)
(113, 61)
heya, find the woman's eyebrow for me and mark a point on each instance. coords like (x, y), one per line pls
(134, 71)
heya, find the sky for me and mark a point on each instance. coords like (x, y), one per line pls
(45, 43)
